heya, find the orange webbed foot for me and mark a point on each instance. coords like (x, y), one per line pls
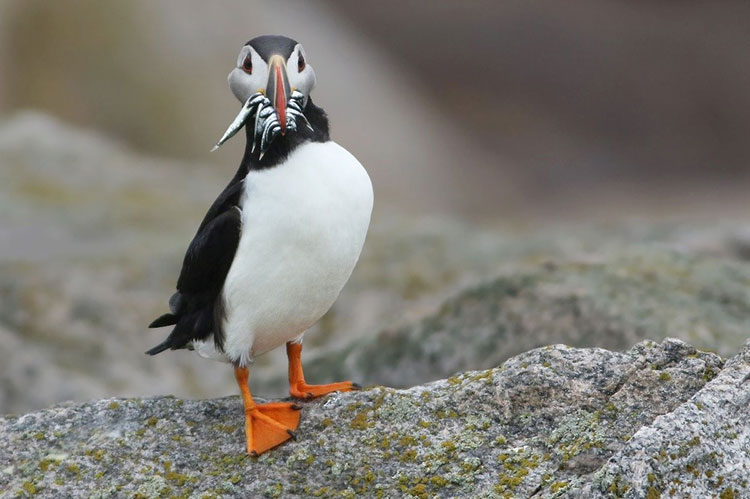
(298, 388)
(305, 391)
(268, 425)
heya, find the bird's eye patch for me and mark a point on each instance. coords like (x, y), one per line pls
(300, 63)
(247, 65)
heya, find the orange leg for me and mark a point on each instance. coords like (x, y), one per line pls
(297, 386)
(266, 425)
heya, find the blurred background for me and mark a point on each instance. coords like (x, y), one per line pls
(502, 138)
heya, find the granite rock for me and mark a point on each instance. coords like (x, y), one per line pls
(661, 418)
(612, 302)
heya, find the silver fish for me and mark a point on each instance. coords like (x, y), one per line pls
(272, 128)
(239, 121)
(265, 111)
(266, 126)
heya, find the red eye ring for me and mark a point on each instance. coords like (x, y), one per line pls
(247, 65)
(300, 63)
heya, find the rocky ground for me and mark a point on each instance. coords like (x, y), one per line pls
(613, 303)
(660, 420)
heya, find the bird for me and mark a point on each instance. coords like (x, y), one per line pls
(279, 243)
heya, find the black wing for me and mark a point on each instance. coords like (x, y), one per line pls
(195, 307)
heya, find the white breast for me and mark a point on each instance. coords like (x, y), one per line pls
(303, 227)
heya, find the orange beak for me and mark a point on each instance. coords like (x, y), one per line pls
(278, 90)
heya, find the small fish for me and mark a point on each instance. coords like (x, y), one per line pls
(265, 110)
(272, 129)
(266, 125)
(239, 121)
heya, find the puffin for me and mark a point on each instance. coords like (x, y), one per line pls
(279, 243)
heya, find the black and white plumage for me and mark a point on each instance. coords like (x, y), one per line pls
(277, 246)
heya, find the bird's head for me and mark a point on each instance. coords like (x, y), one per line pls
(273, 65)
(273, 81)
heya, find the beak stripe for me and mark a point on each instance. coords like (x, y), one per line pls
(280, 103)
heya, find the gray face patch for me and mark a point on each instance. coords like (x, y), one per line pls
(266, 124)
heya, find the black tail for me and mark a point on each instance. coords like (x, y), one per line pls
(172, 340)
(164, 320)
(170, 319)
(197, 325)
(160, 347)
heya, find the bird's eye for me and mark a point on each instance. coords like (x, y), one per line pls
(247, 65)
(300, 63)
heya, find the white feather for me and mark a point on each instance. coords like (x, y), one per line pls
(303, 227)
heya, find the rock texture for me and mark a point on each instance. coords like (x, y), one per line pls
(610, 302)
(659, 420)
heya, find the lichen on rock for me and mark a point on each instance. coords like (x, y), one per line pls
(552, 422)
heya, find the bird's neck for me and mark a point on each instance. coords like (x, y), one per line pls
(283, 145)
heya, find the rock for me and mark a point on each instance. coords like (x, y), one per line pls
(90, 224)
(555, 421)
(700, 449)
(611, 302)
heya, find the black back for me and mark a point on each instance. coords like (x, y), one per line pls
(196, 308)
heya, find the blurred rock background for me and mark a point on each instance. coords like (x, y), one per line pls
(573, 172)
